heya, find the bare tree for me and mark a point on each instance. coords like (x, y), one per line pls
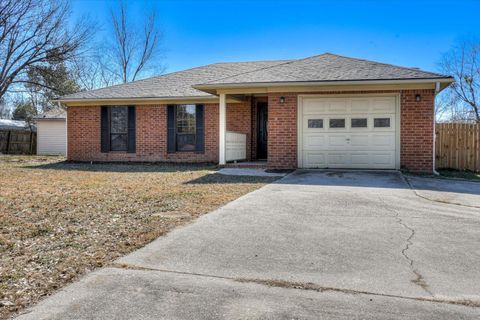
(463, 97)
(134, 48)
(5, 111)
(92, 72)
(33, 32)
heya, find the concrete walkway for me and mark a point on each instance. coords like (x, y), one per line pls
(315, 245)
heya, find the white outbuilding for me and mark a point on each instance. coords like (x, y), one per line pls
(52, 132)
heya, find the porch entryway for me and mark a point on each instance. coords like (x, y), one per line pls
(246, 133)
(262, 130)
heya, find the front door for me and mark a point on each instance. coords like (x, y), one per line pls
(262, 133)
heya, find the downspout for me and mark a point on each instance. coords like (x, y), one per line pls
(437, 90)
(59, 105)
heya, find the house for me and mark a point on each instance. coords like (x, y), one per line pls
(325, 111)
(52, 132)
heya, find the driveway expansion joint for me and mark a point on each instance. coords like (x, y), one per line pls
(308, 286)
(415, 192)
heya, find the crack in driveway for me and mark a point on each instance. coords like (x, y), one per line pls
(415, 192)
(304, 286)
(419, 279)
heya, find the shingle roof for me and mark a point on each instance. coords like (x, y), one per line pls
(327, 67)
(7, 124)
(324, 67)
(176, 84)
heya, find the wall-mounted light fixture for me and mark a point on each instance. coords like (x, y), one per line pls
(418, 98)
(282, 99)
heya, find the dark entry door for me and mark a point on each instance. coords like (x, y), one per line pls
(262, 134)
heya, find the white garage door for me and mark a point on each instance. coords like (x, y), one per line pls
(348, 132)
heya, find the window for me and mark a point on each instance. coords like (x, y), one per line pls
(359, 122)
(315, 123)
(381, 122)
(118, 128)
(337, 123)
(186, 127)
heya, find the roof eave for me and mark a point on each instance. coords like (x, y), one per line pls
(212, 88)
(131, 99)
(48, 119)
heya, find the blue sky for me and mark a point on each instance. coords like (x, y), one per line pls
(408, 33)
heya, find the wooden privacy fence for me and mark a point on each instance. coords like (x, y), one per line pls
(18, 142)
(457, 146)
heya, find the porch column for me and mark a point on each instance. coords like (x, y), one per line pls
(222, 129)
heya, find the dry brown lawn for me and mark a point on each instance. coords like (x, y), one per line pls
(60, 220)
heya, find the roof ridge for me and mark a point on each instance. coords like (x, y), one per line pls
(265, 68)
(387, 64)
(179, 71)
(254, 61)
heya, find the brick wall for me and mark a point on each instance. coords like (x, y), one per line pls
(151, 134)
(282, 131)
(416, 136)
(83, 133)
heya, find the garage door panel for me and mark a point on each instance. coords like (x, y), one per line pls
(315, 106)
(338, 106)
(360, 140)
(386, 105)
(358, 147)
(337, 159)
(383, 158)
(383, 140)
(360, 159)
(313, 141)
(315, 160)
(337, 141)
(360, 106)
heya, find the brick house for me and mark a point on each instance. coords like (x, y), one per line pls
(325, 111)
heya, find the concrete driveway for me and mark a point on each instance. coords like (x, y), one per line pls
(314, 245)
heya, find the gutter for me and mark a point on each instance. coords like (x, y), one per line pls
(437, 90)
(60, 100)
(319, 83)
(48, 119)
(211, 89)
(66, 128)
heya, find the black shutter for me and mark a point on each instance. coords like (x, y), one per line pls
(171, 129)
(104, 130)
(131, 142)
(200, 132)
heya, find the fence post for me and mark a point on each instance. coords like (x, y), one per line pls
(7, 151)
(30, 151)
